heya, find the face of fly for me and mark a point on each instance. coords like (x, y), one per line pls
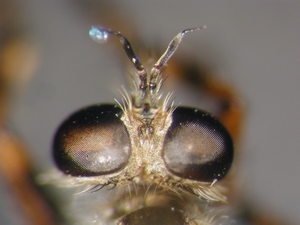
(165, 160)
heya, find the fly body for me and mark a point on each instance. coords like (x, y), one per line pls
(166, 161)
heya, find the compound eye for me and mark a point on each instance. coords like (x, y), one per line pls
(91, 142)
(197, 146)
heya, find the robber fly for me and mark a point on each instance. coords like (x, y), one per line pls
(166, 163)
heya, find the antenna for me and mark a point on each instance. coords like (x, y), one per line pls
(172, 47)
(100, 35)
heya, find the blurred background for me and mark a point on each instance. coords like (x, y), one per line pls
(254, 46)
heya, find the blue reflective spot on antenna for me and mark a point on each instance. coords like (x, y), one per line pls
(98, 34)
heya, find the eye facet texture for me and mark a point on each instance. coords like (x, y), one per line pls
(197, 146)
(92, 142)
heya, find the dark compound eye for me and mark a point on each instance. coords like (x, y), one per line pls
(197, 146)
(92, 141)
